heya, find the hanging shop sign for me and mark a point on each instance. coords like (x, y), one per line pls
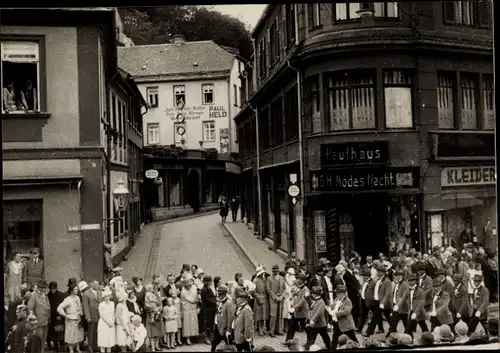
(465, 176)
(364, 179)
(463, 145)
(151, 173)
(341, 154)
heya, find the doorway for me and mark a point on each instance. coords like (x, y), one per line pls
(193, 189)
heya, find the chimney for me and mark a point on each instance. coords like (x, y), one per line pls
(178, 39)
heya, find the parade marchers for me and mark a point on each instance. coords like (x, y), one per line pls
(446, 289)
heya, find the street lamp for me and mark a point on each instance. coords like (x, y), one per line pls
(120, 198)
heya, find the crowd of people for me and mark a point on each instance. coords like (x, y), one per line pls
(449, 289)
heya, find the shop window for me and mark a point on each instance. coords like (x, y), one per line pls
(446, 100)
(489, 102)
(386, 9)
(352, 101)
(469, 120)
(313, 15)
(398, 99)
(320, 231)
(152, 94)
(22, 227)
(20, 76)
(346, 11)
(436, 233)
(179, 95)
(153, 133)
(208, 93)
(403, 222)
(208, 131)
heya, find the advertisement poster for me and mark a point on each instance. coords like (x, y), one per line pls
(224, 140)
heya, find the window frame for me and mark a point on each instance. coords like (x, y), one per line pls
(263, 57)
(178, 94)
(203, 127)
(385, 10)
(313, 86)
(410, 85)
(475, 77)
(204, 94)
(290, 25)
(156, 95)
(235, 93)
(485, 90)
(41, 68)
(313, 16)
(149, 126)
(348, 16)
(277, 121)
(477, 16)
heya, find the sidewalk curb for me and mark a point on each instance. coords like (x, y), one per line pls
(241, 246)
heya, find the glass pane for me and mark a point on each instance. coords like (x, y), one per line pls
(392, 9)
(489, 103)
(363, 108)
(353, 8)
(398, 108)
(469, 109)
(339, 110)
(378, 8)
(319, 223)
(445, 103)
(341, 11)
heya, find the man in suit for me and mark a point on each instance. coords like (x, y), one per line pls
(300, 306)
(447, 285)
(303, 270)
(461, 306)
(440, 308)
(34, 269)
(39, 305)
(276, 288)
(400, 303)
(367, 301)
(416, 311)
(343, 323)
(316, 280)
(481, 301)
(90, 302)
(223, 318)
(208, 308)
(243, 322)
(382, 297)
(425, 282)
(316, 319)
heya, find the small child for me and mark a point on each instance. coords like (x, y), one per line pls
(174, 292)
(170, 318)
(139, 335)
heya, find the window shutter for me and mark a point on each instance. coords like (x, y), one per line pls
(484, 13)
(449, 11)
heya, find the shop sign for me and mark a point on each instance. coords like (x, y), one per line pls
(364, 179)
(464, 176)
(189, 113)
(151, 173)
(341, 154)
(462, 145)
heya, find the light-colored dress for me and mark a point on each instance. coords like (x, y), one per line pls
(170, 317)
(13, 280)
(122, 321)
(190, 326)
(106, 336)
(118, 285)
(287, 301)
(177, 304)
(153, 311)
(71, 307)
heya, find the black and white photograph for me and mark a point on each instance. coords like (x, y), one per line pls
(249, 177)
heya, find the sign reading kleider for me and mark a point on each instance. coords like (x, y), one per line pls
(464, 176)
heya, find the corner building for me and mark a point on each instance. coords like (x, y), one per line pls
(387, 119)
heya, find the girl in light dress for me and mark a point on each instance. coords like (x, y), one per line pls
(170, 316)
(106, 325)
(174, 292)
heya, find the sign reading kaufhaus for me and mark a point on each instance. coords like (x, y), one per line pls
(352, 153)
(468, 176)
(364, 179)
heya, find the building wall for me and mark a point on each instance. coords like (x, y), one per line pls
(195, 111)
(62, 127)
(234, 104)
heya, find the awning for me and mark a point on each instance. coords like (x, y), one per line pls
(279, 164)
(456, 200)
(233, 168)
(41, 180)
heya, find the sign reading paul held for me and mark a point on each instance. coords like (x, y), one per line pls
(468, 176)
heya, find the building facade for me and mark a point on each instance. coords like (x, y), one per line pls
(384, 117)
(193, 92)
(59, 67)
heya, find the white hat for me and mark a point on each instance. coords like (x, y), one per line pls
(291, 271)
(340, 268)
(198, 272)
(259, 270)
(116, 269)
(314, 348)
(82, 286)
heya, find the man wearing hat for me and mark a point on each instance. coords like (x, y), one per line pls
(261, 300)
(224, 318)
(91, 298)
(34, 269)
(400, 303)
(303, 270)
(276, 288)
(447, 285)
(368, 304)
(243, 323)
(440, 306)
(416, 311)
(340, 311)
(32, 340)
(300, 306)
(316, 319)
(461, 306)
(481, 301)
(39, 306)
(208, 308)
(382, 296)
(424, 281)
(56, 322)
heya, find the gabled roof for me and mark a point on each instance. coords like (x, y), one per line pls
(175, 59)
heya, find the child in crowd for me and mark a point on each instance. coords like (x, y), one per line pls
(174, 292)
(139, 335)
(170, 319)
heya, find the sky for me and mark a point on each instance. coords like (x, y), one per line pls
(247, 13)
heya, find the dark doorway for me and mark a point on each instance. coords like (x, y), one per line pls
(193, 190)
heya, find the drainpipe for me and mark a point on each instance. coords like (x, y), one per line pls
(301, 140)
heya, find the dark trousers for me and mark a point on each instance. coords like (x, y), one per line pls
(217, 338)
(313, 332)
(244, 347)
(92, 337)
(395, 318)
(337, 333)
(412, 326)
(294, 326)
(235, 214)
(377, 319)
(364, 315)
(474, 321)
(434, 323)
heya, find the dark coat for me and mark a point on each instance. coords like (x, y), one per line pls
(55, 319)
(224, 208)
(33, 272)
(317, 314)
(208, 307)
(15, 341)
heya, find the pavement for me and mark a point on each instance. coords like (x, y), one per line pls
(220, 249)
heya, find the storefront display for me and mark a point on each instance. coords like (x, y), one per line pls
(403, 221)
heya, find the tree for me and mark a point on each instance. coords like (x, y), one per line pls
(155, 25)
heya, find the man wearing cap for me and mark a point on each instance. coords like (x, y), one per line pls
(382, 296)
(416, 311)
(34, 269)
(39, 306)
(480, 303)
(424, 281)
(261, 300)
(461, 307)
(316, 319)
(224, 318)
(243, 323)
(276, 287)
(300, 306)
(447, 285)
(367, 300)
(400, 303)
(340, 312)
(440, 307)
(90, 302)
(208, 308)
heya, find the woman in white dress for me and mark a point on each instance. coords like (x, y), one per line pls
(287, 302)
(14, 277)
(106, 326)
(122, 321)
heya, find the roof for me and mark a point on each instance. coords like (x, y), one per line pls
(262, 20)
(175, 59)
